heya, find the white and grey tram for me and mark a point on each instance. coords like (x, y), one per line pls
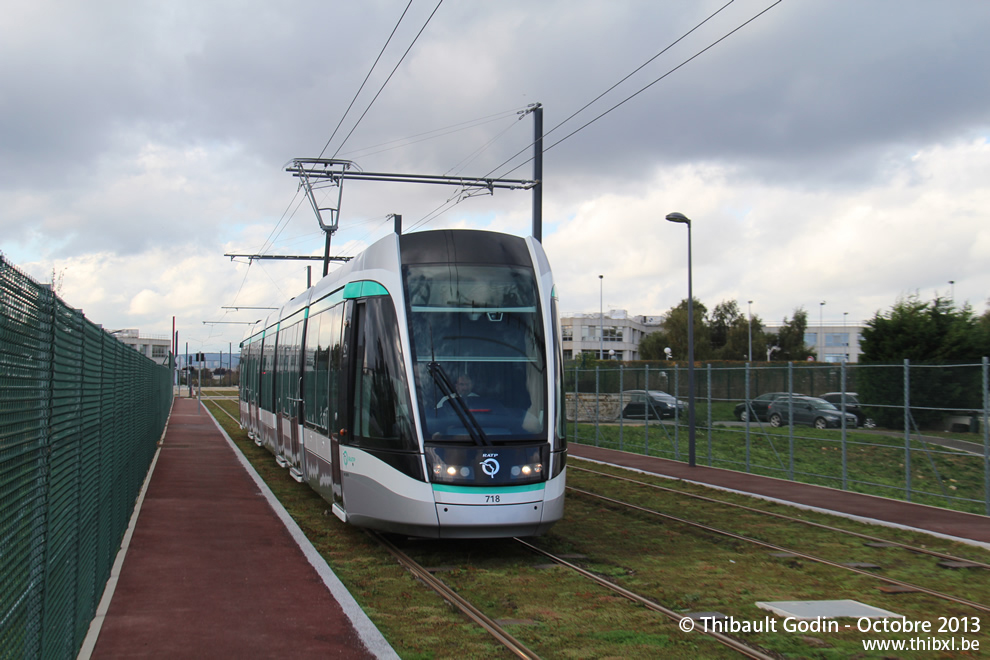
(418, 388)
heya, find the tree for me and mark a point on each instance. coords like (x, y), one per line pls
(924, 333)
(725, 315)
(729, 332)
(675, 326)
(790, 337)
(652, 345)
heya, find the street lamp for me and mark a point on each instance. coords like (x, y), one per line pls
(682, 219)
(749, 305)
(601, 317)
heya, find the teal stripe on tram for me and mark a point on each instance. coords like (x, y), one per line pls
(488, 490)
(364, 289)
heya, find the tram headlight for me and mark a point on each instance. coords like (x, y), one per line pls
(524, 471)
(444, 472)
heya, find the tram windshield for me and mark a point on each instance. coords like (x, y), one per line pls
(480, 354)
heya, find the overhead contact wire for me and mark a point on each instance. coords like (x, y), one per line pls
(364, 82)
(627, 77)
(384, 84)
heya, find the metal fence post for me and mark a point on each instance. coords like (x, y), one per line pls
(907, 430)
(709, 414)
(790, 432)
(842, 399)
(577, 400)
(646, 416)
(749, 414)
(677, 418)
(986, 436)
(598, 415)
(621, 389)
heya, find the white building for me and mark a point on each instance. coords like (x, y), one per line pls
(617, 336)
(612, 336)
(156, 347)
(835, 343)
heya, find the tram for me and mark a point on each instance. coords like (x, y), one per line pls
(418, 388)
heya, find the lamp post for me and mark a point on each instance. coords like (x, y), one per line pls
(821, 330)
(749, 306)
(601, 317)
(682, 219)
(846, 340)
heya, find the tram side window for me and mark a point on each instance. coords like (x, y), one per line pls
(287, 373)
(381, 392)
(322, 366)
(312, 354)
(267, 378)
(255, 383)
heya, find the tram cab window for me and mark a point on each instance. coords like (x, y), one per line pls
(483, 324)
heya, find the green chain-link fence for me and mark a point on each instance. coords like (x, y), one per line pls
(924, 435)
(80, 417)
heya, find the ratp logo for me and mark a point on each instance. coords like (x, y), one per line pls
(490, 467)
(348, 460)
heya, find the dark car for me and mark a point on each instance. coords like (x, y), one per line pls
(652, 404)
(759, 406)
(808, 410)
(852, 406)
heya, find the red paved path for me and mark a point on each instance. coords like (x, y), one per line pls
(211, 570)
(933, 519)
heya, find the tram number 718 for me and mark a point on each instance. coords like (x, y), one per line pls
(492, 499)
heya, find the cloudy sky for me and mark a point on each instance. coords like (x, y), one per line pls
(830, 150)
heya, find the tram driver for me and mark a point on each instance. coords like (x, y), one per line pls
(463, 389)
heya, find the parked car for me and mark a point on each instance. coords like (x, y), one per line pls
(808, 410)
(652, 404)
(759, 406)
(852, 406)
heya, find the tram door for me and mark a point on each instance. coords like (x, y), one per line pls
(341, 424)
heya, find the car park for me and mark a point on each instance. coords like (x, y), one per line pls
(758, 406)
(651, 404)
(807, 410)
(852, 406)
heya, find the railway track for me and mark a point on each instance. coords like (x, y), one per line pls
(726, 640)
(780, 516)
(779, 548)
(516, 647)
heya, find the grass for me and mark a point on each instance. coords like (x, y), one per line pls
(559, 615)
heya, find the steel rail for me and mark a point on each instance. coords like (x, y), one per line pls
(779, 548)
(731, 642)
(781, 516)
(451, 596)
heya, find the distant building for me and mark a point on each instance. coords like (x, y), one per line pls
(832, 343)
(156, 347)
(616, 334)
(622, 333)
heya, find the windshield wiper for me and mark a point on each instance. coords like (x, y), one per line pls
(467, 418)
